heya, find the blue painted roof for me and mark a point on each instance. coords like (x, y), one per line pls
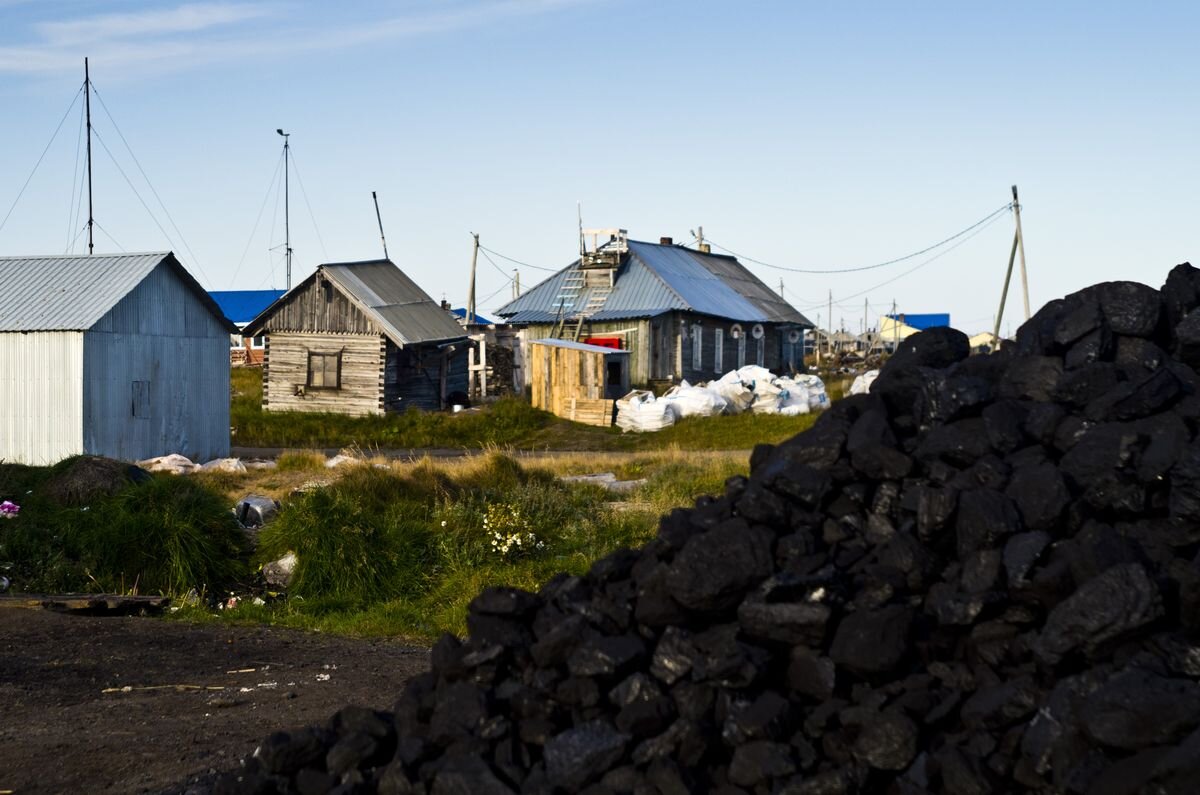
(460, 312)
(922, 322)
(242, 306)
(654, 279)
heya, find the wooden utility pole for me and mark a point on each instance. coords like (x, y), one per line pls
(87, 101)
(471, 287)
(1018, 244)
(829, 331)
(781, 288)
(866, 328)
(516, 284)
(1021, 248)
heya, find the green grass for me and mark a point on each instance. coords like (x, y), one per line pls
(506, 423)
(166, 535)
(402, 551)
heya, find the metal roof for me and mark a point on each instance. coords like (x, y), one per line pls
(461, 313)
(72, 293)
(577, 346)
(925, 321)
(242, 306)
(660, 278)
(403, 311)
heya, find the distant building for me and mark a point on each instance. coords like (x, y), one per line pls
(681, 313)
(242, 306)
(359, 338)
(120, 355)
(461, 314)
(922, 322)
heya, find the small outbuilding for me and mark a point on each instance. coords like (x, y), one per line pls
(359, 338)
(577, 381)
(121, 355)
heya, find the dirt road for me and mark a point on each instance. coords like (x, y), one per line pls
(115, 705)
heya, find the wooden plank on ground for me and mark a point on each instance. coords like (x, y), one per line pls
(87, 603)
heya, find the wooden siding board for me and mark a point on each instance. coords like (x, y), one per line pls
(315, 307)
(570, 383)
(287, 369)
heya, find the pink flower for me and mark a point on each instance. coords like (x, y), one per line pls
(8, 510)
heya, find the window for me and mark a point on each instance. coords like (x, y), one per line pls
(697, 346)
(762, 351)
(141, 399)
(258, 343)
(718, 349)
(235, 341)
(325, 370)
(741, 343)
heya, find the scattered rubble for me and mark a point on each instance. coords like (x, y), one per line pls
(606, 480)
(980, 576)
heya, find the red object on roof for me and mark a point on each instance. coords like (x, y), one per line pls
(605, 342)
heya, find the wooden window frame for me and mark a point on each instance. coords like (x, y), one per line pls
(323, 356)
(718, 350)
(697, 346)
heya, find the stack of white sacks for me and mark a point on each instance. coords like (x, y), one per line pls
(751, 388)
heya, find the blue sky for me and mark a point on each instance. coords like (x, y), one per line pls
(802, 134)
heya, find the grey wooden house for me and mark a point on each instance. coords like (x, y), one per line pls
(359, 338)
(681, 313)
(119, 355)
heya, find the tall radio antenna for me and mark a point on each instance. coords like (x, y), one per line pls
(379, 218)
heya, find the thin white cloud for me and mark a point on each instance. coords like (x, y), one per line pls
(208, 32)
(158, 22)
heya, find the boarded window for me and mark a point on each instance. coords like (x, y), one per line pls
(141, 399)
(697, 346)
(718, 349)
(325, 370)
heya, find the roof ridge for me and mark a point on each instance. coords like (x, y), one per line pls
(120, 255)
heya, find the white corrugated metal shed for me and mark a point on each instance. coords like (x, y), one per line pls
(72, 293)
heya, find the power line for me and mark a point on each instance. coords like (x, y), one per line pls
(518, 262)
(499, 270)
(995, 217)
(21, 192)
(266, 196)
(304, 193)
(106, 234)
(149, 184)
(926, 250)
(72, 204)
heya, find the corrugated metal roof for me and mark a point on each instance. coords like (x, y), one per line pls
(72, 293)
(577, 346)
(461, 313)
(242, 306)
(404, 311)
(656, 279)
(925, 321)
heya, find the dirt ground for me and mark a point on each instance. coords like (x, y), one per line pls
(60, 731)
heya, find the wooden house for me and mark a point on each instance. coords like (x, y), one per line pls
(242, 306)
(118, 355)
(359, 338)
(681, 313)
(577, 381)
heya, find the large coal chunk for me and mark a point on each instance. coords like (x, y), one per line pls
(583, 753)
(1130, 308)
(1138, 709)
(714, 570)
(1119, 601)
(873, 641)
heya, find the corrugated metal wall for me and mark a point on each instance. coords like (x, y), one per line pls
(41, 396)
(161, 334)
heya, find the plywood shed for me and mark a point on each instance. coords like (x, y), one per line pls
(359, 338)
(117, 355)
(577, 381)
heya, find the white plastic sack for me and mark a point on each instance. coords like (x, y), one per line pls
(737, 398)
(640, 412)
(174, 463)
(818, 398)
(794, 399)
(694, 401)
(862, 384)
(753, 374)
(224, 465)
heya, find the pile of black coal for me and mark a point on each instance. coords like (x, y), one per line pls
(981, 577)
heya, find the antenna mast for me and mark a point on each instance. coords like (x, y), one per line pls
(380, 220)
(471, 288)
(87, 100)
(287, 231)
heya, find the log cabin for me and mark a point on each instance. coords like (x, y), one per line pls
(359, 338)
